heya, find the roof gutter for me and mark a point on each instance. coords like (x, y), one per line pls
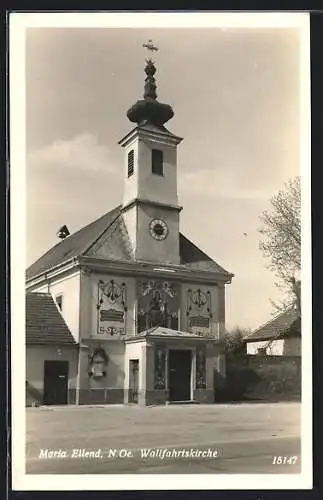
(69, 263)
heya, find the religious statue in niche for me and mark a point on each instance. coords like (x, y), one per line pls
(111, 308)
(98, 361)
(199, 311)
(158, 305)
(160, 368)
(200, 368)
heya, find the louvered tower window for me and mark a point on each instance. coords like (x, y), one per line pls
(157, 162)
(130, 162)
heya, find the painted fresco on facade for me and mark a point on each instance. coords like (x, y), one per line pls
(160, 368)
(199, 311)
(158, 304)
(111, 308)
(200, 368)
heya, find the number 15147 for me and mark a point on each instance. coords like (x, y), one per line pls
(290, 460)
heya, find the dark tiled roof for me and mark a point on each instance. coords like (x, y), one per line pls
(44, 322)
(286, 324)
(113, 243)
(76, 244)
(107, 237)
(193, 258)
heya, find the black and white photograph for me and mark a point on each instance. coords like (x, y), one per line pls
(160, 251)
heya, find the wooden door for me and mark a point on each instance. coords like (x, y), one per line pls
(179, 376)
(55, 382)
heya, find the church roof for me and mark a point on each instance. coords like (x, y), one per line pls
(44, 322)
(110, 230)
(286, 324)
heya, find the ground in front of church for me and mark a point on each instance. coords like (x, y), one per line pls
(179, 439)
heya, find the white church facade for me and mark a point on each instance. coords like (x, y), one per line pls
(140, 308)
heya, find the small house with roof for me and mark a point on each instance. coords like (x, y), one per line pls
(51, 353)
(280, 336)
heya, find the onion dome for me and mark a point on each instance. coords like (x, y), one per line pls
(148, 109)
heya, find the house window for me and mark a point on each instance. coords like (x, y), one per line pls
(131, 156)
(59, 301)
(157, 162)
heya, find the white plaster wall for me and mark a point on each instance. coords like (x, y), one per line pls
(130, 220)
(69, 287)
(281, 347)
(276, 347)
(155, 187)
(214, 321)
(90, 297)
(135, 350)
(221, 309)
(143, 183)
(86, 305)
(115, 368)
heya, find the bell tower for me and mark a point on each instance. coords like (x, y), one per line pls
(150, 204)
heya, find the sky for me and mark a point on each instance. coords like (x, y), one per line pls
(235, 94)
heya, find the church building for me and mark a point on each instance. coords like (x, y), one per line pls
(127, 309)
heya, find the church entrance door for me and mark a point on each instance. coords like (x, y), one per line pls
(179, 377)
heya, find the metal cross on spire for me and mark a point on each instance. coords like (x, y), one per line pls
(150, 46)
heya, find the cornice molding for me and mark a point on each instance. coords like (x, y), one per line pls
(133, 268)
(55, 271)
(173, 339)
(149, 269)
(153, 135)
(141, 201)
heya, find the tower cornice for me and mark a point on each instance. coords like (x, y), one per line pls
(142, 201)
(151, 133)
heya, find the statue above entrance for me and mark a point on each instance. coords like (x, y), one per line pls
(158, 304)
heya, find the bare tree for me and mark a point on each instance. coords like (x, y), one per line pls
(233, 342)
(281, 240)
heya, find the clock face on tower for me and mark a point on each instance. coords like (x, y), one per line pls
(158, 229)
